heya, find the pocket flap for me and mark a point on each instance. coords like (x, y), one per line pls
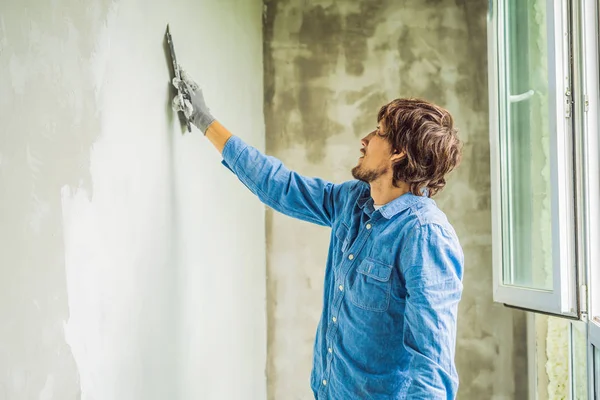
(375, 269)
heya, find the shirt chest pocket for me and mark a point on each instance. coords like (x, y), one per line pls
(371, 286)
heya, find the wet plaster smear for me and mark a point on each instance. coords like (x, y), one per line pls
(329, 66)
(131, 261)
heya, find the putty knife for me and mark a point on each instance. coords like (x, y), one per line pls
(180, 92)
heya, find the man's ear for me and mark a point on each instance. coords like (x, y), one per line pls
(396, 156)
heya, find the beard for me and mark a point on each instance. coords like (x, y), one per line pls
(368, 175)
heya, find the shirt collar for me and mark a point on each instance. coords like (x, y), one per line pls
(392, 208)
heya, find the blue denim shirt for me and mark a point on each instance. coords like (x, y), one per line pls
(393, 281)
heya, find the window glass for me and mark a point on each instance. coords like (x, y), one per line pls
(525, 146)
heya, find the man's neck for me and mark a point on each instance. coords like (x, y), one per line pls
(384, 192)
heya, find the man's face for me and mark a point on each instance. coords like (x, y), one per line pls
(375, 161)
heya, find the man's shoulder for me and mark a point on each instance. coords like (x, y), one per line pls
(427, 213)
(354, 185)
(350, 190)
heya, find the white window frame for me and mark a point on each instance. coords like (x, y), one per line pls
(562, 298)
(590, 181)
(591, 164)
(593, 368)
(576, 245)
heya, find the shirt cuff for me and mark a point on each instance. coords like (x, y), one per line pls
(232, 151)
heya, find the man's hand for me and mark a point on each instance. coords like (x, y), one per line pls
(195, 108)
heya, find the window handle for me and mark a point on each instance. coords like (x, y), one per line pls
(515, 98)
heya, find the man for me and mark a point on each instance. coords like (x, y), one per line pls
(393, 277)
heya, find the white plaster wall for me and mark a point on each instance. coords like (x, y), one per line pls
(131, 261)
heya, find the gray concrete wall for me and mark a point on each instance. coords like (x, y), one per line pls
(329, 66)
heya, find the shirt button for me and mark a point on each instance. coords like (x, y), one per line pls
(351, 257)
(368, 226)
(324, 382)
(341, 287)
(330, 350)
(334, 319)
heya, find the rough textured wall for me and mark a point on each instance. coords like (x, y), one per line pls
(329, 66)
(124, 273)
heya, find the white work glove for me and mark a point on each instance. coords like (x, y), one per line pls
(194, 107)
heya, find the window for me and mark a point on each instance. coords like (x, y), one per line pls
(594, 349)
(579, 360)
(596, 372)
(544, 89)
(532, 167)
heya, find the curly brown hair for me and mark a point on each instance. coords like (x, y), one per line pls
(425, 133)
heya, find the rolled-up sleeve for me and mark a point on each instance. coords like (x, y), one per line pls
(432, 265)
(308, 199)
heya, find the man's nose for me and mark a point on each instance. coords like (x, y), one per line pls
(365, 141)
